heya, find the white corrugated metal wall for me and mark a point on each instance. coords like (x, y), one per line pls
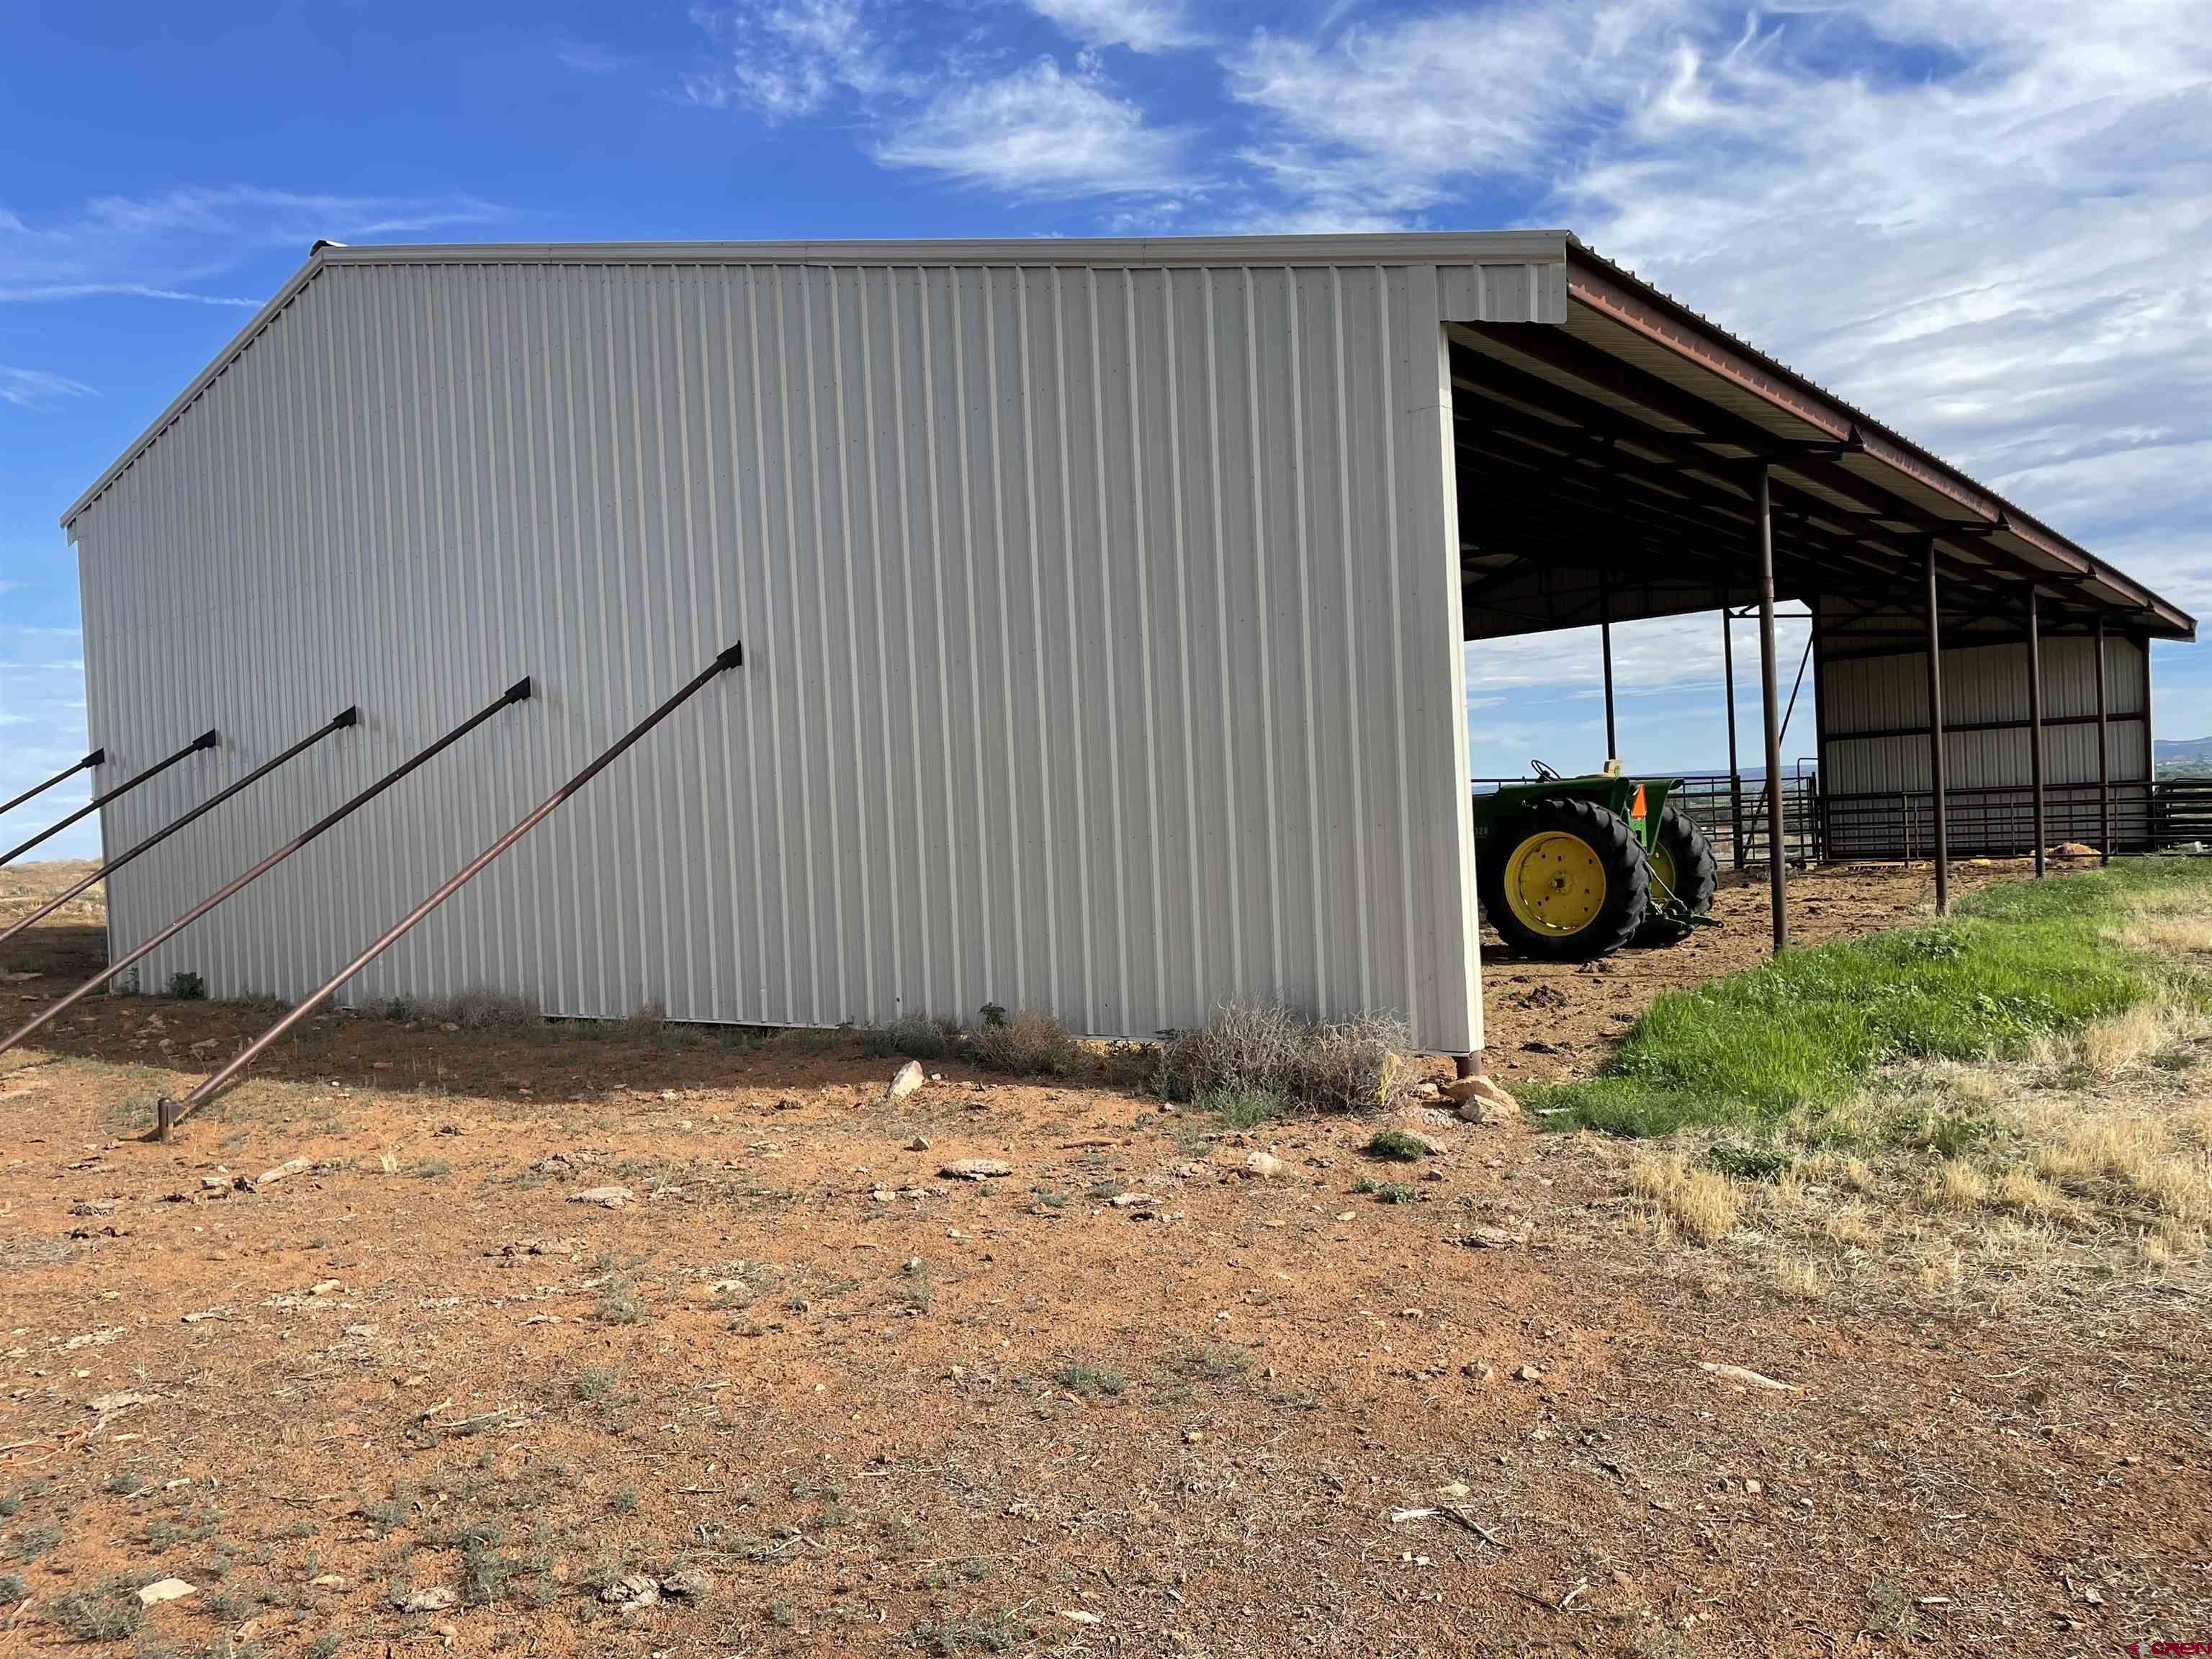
(1874, 721)
(1101, 629)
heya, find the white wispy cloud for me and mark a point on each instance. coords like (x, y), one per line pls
(1038, 131)
(1148, 26)
(1031, 130)
(181, 244)
(29, 388)
(1975, 218)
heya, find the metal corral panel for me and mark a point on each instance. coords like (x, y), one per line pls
(1874, 720)
(1101, 629)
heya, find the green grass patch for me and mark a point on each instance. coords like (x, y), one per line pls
(1794, 1039)
(1396, 1145)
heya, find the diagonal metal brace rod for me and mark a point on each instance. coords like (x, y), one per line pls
(172, 1112)
(62, 776)
(337, 723)
(516, 693)
(205, 740)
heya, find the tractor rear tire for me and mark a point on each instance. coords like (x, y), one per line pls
(1564, 879)
(1683, 872)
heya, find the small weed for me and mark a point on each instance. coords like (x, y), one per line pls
(126, 1483)
(1000, 1633)
(1242, 1109)
(1747, 1161)
(624, 1501)
(1091, 1381)
(1396, 1145)
(13, 1590)
(618, 1303)
(592, 1383)
(187, 987)
(432, 1169)
(917, 1285)
(780, 1615)
(1385, 1192)
(326, 1646)
(97, 1615)
(1207, 1362)
(33, 1542)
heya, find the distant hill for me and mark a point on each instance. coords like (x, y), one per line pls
(2181, 757)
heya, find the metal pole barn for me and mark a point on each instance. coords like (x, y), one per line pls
(1735, 772)
(1777, 865)
(1936, 764)
(2104, 758)
(2035, 721)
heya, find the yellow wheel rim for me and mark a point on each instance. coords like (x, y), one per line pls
(1555, 884)
(1662, 871)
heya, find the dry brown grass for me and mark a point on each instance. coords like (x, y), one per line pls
(1031, 1044)
(1957, 1186)
(1357, 1064)
(1688, 1202)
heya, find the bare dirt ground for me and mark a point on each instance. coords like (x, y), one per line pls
(878, 1410)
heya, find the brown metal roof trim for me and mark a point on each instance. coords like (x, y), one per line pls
(1616, 295)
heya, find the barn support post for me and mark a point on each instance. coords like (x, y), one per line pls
(169, 1113)
(337, 723)
(1778, 878)
(1735, 771)
(62, 776)
(2035, 721)
(516, 693)
(1935, 762)
(2104, 757)
(205, 740)
(1604, 645)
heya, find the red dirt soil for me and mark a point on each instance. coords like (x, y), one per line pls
(885, 1411)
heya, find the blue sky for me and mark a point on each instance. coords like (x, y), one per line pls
(1988, 221)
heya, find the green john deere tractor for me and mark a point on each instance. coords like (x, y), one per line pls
(1574, 868)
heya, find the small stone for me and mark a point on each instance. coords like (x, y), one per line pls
(690, 1584)
(166, 1589)
(290, 1166)
(1481, 1101)
(610, 1197)
(1493, 1238)
(331, 1581)
(1529, 1374)
(1752, 1488)
(918, 1144)
(637, 1589)
(325, 1287)
(1131, 1201)
(1191, 1436)
(436, 1599)
(904, 1081)
(976, 1169)
(1265, 1165)
(1480, 1370)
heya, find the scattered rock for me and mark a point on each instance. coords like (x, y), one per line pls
(325, 1287)
(1131, 1201)
(1265, 1165)
(331, 1581)
(1481, 1101)
(904, 1081)
(434, 1599)
(166, 1589)
(690, 1584)
(93, 1206)
(290, 1166)
(1481, 1371)
(540, 1246)
(1493, 1238)
(1752, 1489)
(636, 1589)
(105, 1403)
(918, 1144)
(976, 1169)
(1078, 1615)
(99, 1339)
(607, 1198)
(1529, 1374)
(1749, 1378)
